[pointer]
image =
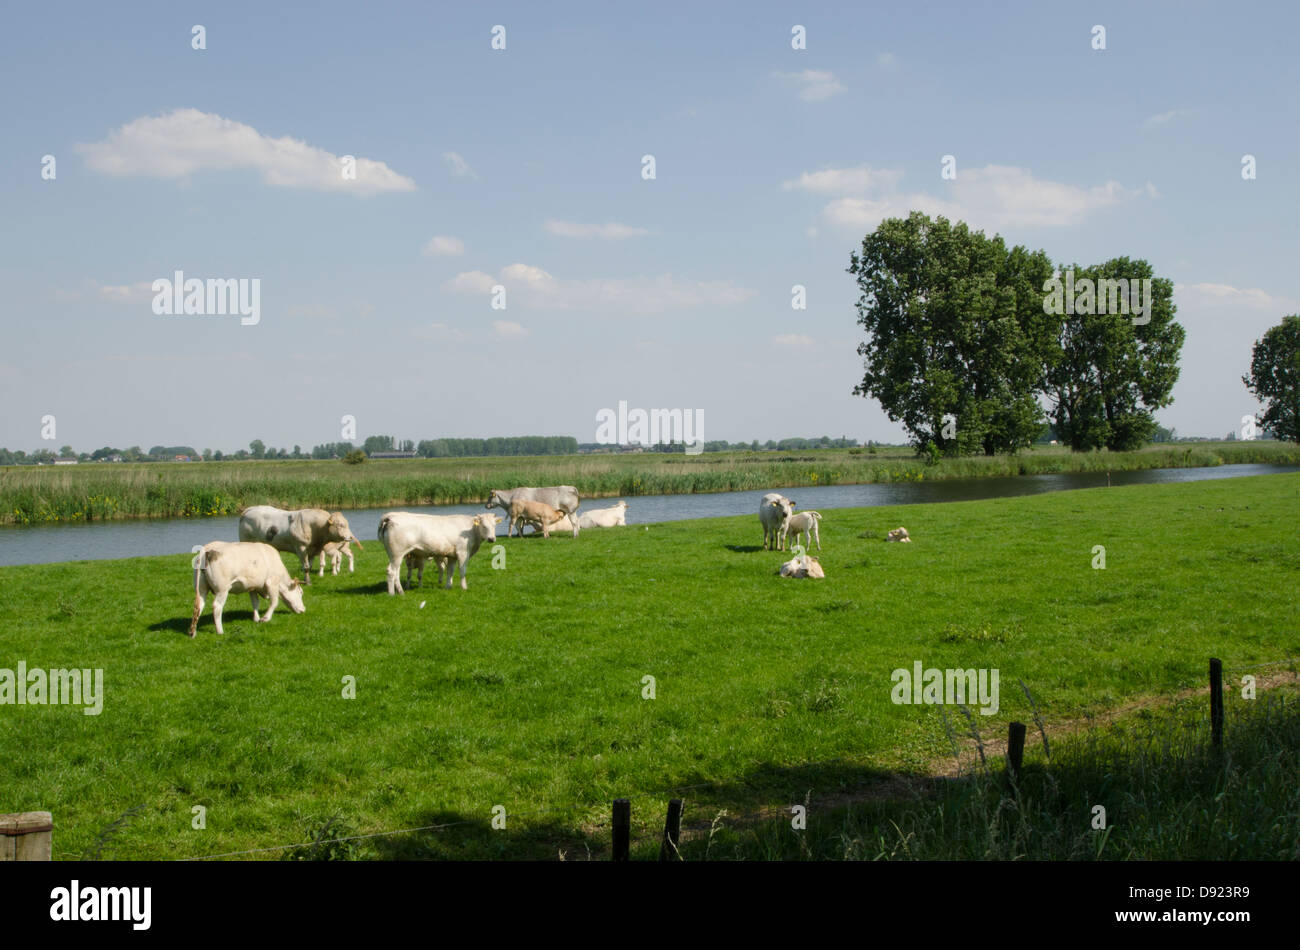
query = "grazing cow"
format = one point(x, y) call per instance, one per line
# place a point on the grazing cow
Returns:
point(563, 497)
point(774, 513)
point(803, 566)
point(334, 552)
point(303, 532)
point(416, 562)
point(898, 534)
point(436, 537)
point(611, 517)
point(538, 514)
point(805, 523)
point(228, 567)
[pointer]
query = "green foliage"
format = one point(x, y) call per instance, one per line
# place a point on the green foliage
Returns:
point(355, 457)
point(1106, 373)
point(955, 327)
point(1274, 378)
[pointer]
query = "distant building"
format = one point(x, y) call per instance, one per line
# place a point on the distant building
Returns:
point(65, 461)
point(393, 455)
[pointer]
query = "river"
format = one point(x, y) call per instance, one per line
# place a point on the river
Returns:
point(102, 540)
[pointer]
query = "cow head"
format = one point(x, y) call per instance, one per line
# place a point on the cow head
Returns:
point(497, 500)
point(292, 594)
point(485, 526)
point(337, 529)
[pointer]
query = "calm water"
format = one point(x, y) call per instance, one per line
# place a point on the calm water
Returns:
point(116, 539)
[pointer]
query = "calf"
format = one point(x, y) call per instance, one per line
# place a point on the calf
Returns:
point(334, 552)
point(536, 513)
point(433, 536)
point(805, 523)
point(415, 561)
point(774, 513)
point(803, 566)
point(898, 534)
point(228, 567)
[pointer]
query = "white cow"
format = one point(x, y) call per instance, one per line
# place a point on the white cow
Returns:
point(611, 517)
point(805, 524)
point(433, 536)
point(774, 513)
point(563, 497)
point(228, 567)
point(303, 532)
point(803, 566)
point(898, 534)
point(334, 553)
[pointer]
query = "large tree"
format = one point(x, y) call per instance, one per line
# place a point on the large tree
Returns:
point(1275, 378)
point(956, 327)
point(1109, 371)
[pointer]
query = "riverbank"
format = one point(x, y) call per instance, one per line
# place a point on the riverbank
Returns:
point(108, 491)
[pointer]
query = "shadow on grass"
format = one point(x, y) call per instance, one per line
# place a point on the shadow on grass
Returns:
point(744, 548)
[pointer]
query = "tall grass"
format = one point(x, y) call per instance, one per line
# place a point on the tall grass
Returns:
point(103, 492)
point(1167, 794)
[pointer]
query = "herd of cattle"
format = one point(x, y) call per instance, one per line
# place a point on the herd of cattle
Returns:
point(252, 564)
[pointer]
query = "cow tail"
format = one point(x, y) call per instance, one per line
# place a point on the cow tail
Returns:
point(383, 527)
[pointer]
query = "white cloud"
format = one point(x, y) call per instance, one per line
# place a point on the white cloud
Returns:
point(442, 245)
point(813, 85)
point(991, 198)
point(1225, 295)
point(441, 333)
point(508, 330)
point(459, 167)
point(844, 181)
point(185, 141)
point(797, 340)
point(127, 293)
point(533, 287)
point(612, 231)
point(1163, 117)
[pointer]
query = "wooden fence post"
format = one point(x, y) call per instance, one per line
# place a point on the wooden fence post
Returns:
point(672, 832)
point(26, 836)
point(1216, 701)
point(622, 828)
point(1015, 748)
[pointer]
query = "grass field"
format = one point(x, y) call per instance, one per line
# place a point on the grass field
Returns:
point(103, 491)
point(526, 691)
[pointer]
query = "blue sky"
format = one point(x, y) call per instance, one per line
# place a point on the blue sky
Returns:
point(523, 167)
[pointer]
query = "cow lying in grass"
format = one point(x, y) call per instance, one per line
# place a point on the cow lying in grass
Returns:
point(803, 566)
point(227, 567)
point(898, 534)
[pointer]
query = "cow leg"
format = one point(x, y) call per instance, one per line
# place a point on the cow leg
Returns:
point(252, 595)
point(322, 564)
point(395, 575)
point(816, 536)
point(274, 597)
point(352, 564)
point(218, 605)
point(305, 556)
